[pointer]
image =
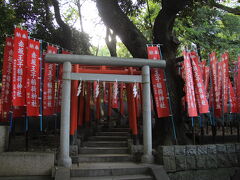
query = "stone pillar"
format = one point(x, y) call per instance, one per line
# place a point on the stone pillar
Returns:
point(147, 124)
point(64, 158)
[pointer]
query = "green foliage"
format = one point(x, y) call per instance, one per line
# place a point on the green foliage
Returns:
point(8, 19)
point(122, 51)
point(100, 51)
point(209, 29)
point(145, 19)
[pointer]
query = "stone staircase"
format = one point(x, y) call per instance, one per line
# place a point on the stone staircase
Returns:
point(105, 156)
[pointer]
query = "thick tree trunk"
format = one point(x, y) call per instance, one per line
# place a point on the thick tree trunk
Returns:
point(163, 34)
point(133, 39)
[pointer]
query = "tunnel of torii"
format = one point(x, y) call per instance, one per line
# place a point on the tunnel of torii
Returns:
point(67, 61)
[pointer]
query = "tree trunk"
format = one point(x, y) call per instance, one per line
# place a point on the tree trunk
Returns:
point(79, 5)
point(163, 34)
point(66, 38)
point(111, 42)
point(133, 39)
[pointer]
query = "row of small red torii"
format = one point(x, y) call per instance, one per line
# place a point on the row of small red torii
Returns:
point(22, 76)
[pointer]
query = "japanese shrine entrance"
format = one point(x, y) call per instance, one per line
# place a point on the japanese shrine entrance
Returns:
point(67, 60)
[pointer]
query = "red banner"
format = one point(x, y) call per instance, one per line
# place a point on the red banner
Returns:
point(206, 77)
point(19, 67)
point(6, 95)
point(190, 94)
point(159, 85)
point(238, 85)
point(19, 111)
point(49, 85)
point(220, 83)
point(216, 93)
point(115, 95)
point(232, 99)
point(225, 83)
point(198, 85)
point(33, 78)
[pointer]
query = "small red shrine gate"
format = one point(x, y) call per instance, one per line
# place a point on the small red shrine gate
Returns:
point(67, 60)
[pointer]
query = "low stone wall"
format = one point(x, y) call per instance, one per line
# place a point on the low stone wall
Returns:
point(26, 164)
point(219, 161)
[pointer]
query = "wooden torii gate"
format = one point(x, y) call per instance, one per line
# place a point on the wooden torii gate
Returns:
point(67, 60)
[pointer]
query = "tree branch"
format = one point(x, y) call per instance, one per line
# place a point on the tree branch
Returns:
point(111, 42)
point(235, 11)
point(66, 30)
point(114, 18)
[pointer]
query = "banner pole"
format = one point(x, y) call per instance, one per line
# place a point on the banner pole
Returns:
point(26, 132)
point(201, 127)
point(10, 128)
point(193, 129)
point(41, 87)
point(238, 129)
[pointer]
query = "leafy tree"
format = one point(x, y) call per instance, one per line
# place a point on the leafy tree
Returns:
point(163, 33)
point(38, 18)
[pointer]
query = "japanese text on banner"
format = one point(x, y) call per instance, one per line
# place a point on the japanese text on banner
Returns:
point(190, 94)
point(159, 85)
point(19, 67)
point(49, 85)
point(6, 95)
point(200, 92)
point(33, 78)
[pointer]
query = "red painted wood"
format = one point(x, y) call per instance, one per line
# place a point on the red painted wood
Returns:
point(74, 103)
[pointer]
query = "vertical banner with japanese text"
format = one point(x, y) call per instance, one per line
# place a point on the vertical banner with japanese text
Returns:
point(159, 85)
point(216, 93)
point(225, 83)
point(232, 99)
point(206, 76)
point(49, 85)
point(200, 92)
point(6, 95)
point(33, 78)
point(19, 67)
point(190, 94)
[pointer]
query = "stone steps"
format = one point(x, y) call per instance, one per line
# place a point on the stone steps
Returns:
point(108, 169)
point(102, 158)
point(108, 138)
point(105, 144)
point(125, 177)
point(112, 133)
point(105, 157)
point(116, 130)
point(103, 150)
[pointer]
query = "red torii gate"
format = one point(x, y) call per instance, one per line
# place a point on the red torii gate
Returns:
point(77, 112)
